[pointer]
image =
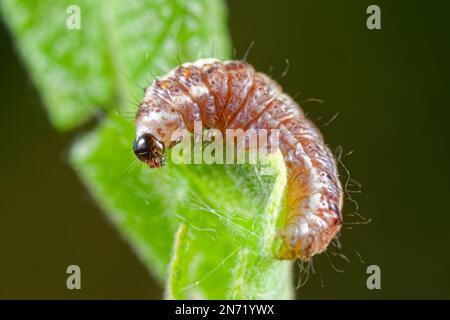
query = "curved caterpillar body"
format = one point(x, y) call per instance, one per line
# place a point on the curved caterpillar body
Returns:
point(231, 94)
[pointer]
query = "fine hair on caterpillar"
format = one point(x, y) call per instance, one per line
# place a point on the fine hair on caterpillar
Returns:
point(232, 95)
point(336, 253)
point(349, 184)
point(334, 257)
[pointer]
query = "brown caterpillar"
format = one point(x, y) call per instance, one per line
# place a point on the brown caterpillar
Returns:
point(231, 94)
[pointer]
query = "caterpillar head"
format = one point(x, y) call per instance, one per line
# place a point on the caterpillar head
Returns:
point(149, 150)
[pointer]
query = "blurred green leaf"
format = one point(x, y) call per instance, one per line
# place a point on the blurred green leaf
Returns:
point(106, 63)
point(228, 213)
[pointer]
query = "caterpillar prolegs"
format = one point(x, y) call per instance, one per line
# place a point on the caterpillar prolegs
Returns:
point(231, 94)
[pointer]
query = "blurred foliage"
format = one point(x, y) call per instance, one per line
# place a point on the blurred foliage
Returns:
point(204, 230)
point(106, 63)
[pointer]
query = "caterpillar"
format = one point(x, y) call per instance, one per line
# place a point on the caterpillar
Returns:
point(231, 94)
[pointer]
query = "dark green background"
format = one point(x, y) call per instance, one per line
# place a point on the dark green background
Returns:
point(391, 89)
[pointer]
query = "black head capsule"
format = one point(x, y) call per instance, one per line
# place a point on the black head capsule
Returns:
point(149, 150)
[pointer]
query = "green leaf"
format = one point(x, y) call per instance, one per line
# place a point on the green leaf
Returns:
point(178, 277)
point(118, 46)
point(206, 231)
point(228, 216)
